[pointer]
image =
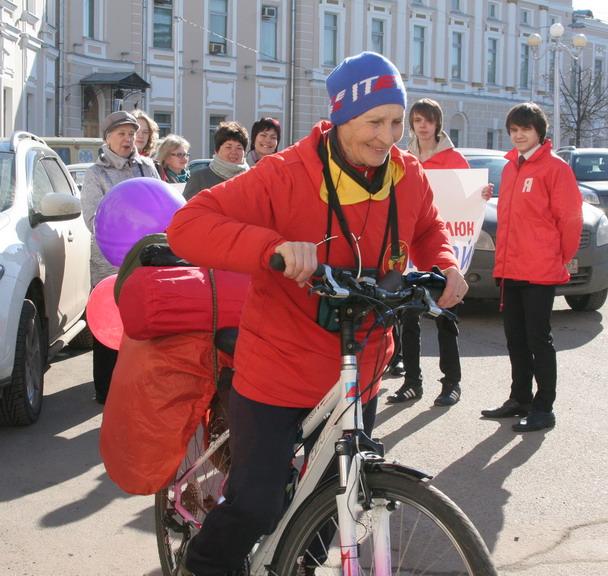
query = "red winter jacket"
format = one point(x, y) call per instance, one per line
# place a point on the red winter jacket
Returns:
point(284, 357)
point(539, 218)
point(446, 159)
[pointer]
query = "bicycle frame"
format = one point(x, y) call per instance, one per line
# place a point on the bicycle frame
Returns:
point(343, 404)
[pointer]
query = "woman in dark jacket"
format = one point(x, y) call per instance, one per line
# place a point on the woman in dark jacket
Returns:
point(230, 143)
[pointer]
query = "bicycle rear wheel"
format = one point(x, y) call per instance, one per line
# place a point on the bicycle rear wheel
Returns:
point(429, 534)
point(200, 495)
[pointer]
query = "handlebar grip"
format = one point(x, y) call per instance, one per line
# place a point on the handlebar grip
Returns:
point(277, 262)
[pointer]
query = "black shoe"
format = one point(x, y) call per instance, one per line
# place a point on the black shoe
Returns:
point(406, 393)
point(509, 408)
point(450, 394)
point(535, 420)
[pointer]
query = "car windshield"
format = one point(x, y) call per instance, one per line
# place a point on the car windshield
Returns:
point(494, 164)
point(591, 167)
point(7, 180)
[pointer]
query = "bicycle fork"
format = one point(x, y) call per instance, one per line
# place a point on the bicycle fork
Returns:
point(349, 504)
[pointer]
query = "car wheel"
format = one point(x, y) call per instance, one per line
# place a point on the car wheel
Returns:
point(21, 401)
point(587, 302)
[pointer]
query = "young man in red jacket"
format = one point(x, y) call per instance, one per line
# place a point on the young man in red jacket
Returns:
point(539, 229)
point(288, 203)
point(434, 149)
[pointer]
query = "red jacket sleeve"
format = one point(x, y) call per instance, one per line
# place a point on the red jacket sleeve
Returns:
point(228, 226)
point(566, 207)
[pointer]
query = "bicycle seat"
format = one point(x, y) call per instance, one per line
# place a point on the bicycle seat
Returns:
point(225, 339)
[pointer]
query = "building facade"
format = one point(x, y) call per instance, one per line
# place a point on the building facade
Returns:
point(65, 64)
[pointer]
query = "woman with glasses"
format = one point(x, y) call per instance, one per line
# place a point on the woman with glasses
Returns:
point(172, 158)
point(146, 138)
point(230, 142)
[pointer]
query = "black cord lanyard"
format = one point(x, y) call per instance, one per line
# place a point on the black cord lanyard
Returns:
point(334, 206)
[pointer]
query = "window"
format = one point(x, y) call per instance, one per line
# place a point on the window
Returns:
point(598, 76)
point(492, 10)
point(49, 12)
point(454, 136)
point(492, 59)
point(218, 26)
point(163, 24)
point(7, 111)
point(418, 50)
point(30, 120)
point(41, 186)
point(455, 5)
point(31, 6)
point(214, 122)
point(268, 33)
point(7, 180)
point(49, 115)
point(89, 18)
point(490, 139)
point(524, 67)
point(330, 37)
point(378, 35)
point(457, 55)
point(163, 119)
point(524, 17)
point(58, 178)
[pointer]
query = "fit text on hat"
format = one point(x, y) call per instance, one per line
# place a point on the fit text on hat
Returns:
point(361, 83)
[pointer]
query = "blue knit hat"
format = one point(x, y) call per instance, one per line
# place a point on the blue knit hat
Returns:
point(360, 83)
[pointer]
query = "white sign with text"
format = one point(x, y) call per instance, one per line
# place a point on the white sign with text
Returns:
point(458, 198)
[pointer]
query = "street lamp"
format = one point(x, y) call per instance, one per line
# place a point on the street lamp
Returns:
point(557, 46)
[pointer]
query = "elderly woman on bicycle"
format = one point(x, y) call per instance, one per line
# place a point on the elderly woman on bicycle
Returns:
point(344, 195)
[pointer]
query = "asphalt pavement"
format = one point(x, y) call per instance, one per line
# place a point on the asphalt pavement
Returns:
point(540, 499)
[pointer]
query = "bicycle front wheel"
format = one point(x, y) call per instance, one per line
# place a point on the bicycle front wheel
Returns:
point(201, 493)
point(429, 534)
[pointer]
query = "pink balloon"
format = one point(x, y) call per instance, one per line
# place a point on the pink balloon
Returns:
point(131, 210)
point(103, 316)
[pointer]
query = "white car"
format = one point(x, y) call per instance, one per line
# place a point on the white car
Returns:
point(44, 270)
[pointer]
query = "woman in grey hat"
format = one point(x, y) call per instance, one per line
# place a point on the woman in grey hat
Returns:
point(118, 160)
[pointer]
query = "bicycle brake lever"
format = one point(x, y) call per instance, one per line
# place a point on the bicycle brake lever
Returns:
point(338, 291)
point(433, 310)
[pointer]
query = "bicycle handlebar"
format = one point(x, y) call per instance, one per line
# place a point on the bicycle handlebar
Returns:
point(413, 290)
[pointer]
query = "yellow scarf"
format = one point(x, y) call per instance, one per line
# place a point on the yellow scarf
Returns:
point(349, 192)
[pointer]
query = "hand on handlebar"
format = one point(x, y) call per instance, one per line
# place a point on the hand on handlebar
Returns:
point(455, 288)
point(300, 260)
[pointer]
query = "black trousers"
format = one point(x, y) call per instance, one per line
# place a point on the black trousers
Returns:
point(104, 360)
point(262, 439)
point(449, 355)
point(527, 323)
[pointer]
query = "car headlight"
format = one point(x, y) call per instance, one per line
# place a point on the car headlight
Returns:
point(485, 242)
point(589, 196)
point(601, 237)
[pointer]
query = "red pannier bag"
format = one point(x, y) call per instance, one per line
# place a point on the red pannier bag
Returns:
point(160, 391)
point(158, 301)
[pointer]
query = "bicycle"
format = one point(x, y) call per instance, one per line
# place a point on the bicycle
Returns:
point(372, 516)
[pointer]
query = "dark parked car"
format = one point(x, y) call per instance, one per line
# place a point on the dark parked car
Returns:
point(588, 286)
point(590, 167)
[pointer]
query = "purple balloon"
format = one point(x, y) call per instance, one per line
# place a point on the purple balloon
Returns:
point(131, 210)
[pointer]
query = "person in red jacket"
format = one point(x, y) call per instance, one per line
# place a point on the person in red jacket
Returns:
point(433, 147)
point(539, 229)
point(325, 199)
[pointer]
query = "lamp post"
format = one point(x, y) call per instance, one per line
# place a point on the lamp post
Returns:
point(557, 46)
